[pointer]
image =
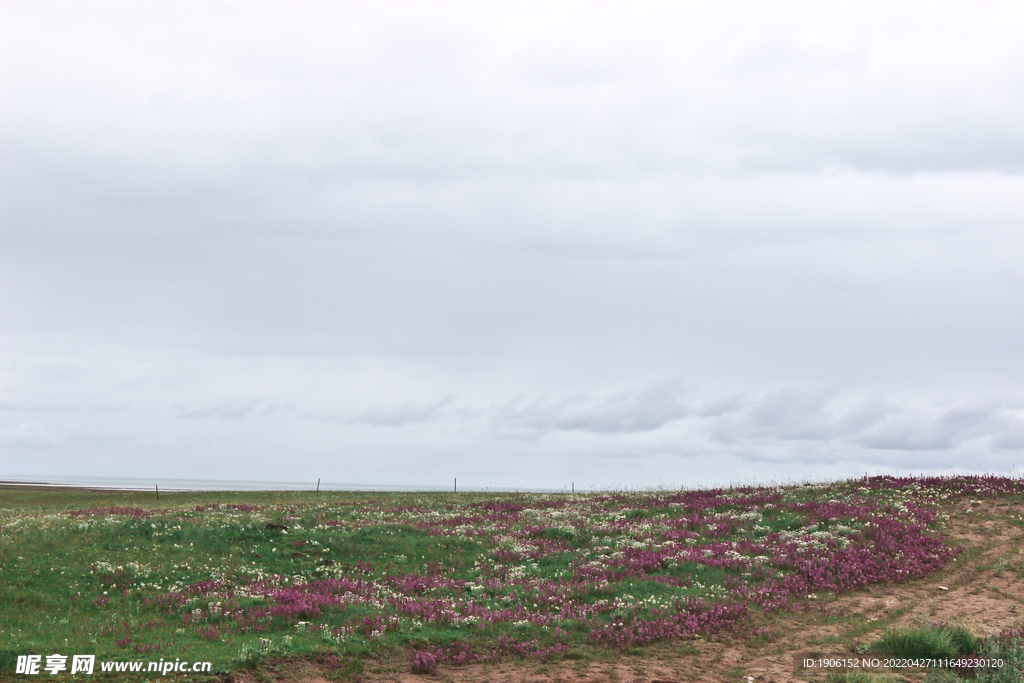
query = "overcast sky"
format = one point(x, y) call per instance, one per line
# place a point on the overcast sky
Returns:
point(522, 244)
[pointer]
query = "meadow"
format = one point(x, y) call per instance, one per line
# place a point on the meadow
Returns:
point(244, 580)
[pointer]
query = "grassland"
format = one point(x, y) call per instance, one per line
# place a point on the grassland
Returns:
point(358, 585)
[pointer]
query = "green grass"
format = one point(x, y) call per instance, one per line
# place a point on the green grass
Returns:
point(946, 642)
point(929, 640)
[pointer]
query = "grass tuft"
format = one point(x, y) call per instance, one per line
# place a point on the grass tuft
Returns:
point(929, 640)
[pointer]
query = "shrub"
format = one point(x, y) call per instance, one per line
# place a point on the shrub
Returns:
point(424, 663)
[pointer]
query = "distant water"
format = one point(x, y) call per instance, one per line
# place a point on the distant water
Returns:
point(130, 484)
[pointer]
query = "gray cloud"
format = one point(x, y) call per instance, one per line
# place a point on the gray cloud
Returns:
point(408, 413)
point(1013, 437)
point(797, 415)
point(225, 410)
point(641, 410)
point(298, 227)
point(942, 430)
point(872, 424)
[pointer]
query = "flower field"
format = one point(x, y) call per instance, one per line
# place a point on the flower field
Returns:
point(237, 578)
